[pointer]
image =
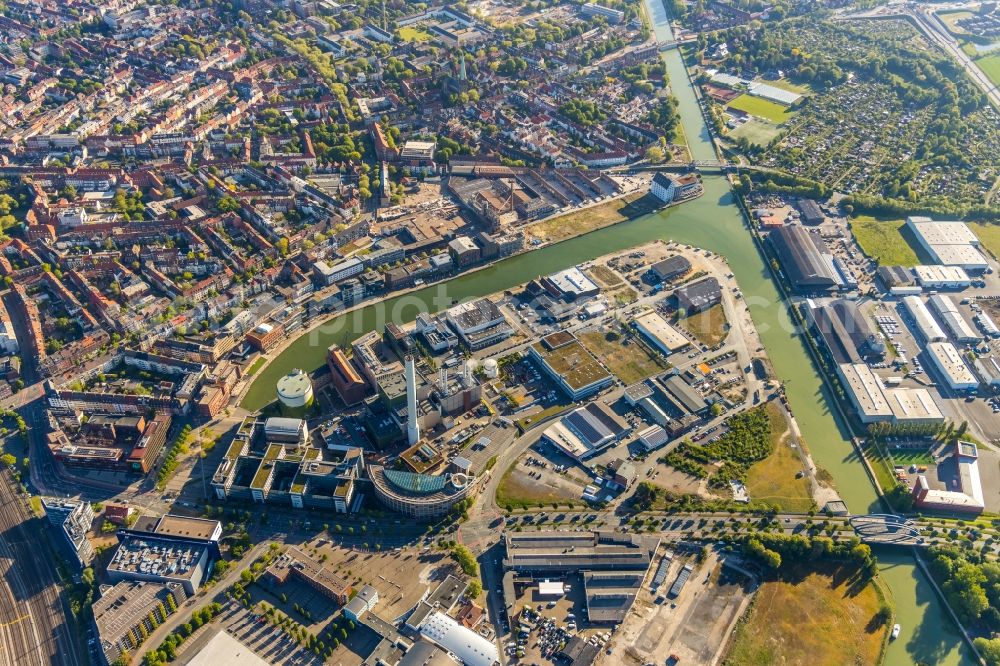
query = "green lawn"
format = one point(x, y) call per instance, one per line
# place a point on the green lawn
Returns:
point(629, 361)
point(411, 34)
point(255, 366)
point(882, 241)
point(989, 236)
point(761, 108)
point(757, 131)
point(991, 67)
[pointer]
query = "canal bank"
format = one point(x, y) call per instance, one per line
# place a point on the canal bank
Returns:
point(713, 222)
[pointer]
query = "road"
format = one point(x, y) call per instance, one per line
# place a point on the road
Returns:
point(183, 613)
point(34, 628)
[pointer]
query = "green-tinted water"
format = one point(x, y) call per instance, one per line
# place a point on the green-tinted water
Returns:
point(713, 222)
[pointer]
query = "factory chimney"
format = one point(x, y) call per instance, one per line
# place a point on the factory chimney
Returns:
point(412, 429)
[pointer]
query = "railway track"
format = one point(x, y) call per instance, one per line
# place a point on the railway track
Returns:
point(33, 623)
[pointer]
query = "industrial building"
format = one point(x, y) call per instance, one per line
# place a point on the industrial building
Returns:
point(670, 268)
point(806, 261)
point(698, 296)
point(846, 331)
point(960, 330)
point(948, 243)
point(278, 465)
point(659, 333)
point(898, 280)
point(923, 320)
point(942, 277)
point(570, 285)
point(570, 365)
point(479, 323)
point(73, 520)
point(950, 367)
point(586, 431)
point(968, 498)
point(612, 565)
point(873, 401)
point(127, 612)
point(344, 376)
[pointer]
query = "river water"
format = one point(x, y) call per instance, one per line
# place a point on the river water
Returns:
point(713, 222)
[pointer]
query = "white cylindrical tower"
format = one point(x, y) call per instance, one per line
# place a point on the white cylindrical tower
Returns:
point(412, 427)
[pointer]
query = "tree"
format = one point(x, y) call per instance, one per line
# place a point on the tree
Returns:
point(990, 649)
point(475, 588)
point(654, 154)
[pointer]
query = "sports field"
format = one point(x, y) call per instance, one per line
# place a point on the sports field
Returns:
point(762, 108)
point(757, 131)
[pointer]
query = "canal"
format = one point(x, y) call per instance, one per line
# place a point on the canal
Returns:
point(713, 222)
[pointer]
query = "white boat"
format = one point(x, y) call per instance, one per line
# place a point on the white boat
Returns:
point(895, 632)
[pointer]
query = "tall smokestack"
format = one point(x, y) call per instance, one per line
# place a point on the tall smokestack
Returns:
point(412, 429)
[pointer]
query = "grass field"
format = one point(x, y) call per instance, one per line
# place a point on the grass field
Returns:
point(820, 616)
point(596, 217)
point(762, 108)
point(989, 236)
point(991, 67)
point(906, 457)
point(757, 131)
point(709, 326)
point(629, 361)
point(411, 34)
point(772, 480)
point(882, 241)
point(255, 366)
point(605, 275)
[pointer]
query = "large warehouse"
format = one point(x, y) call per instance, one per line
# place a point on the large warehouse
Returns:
point(586, 431)
point(660, 333)
point(923, 319)
point(956, 324)
point(874, 402)
point(805, 259)
point(846, 331)
point(948, 243)
point(950, 367)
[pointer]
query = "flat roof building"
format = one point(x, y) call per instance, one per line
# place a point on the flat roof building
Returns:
point(570, 365)
point(950, 366)
point(967, 497)
point(948, 243)
point(469, 648)
point(874, 401)
point(586, 431)
point(660, 333)
point(419, 495)
point(923, 319)
point(942, 277)
point(699, 295)
point(960, 330)
point(127, 612)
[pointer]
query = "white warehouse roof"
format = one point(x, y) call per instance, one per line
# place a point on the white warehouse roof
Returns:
point(946, 359)
point(923, 319)
point(468, 646)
